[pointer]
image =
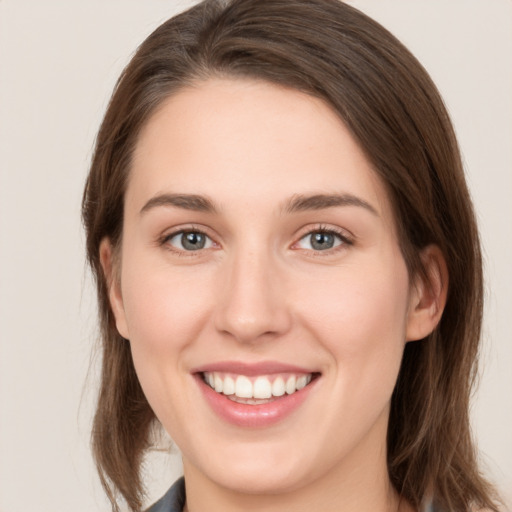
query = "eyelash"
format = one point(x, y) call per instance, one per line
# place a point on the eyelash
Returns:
point(324, 230)
point(164, 241)
point(338, 233)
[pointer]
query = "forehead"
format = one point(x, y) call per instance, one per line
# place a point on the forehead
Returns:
point(252, 139)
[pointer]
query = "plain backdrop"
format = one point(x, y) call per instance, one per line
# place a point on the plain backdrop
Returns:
point(59, 60)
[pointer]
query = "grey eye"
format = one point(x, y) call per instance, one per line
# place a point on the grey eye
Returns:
point(320, 241)
point(190, 241)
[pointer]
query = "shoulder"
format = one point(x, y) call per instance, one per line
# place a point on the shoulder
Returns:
point(173, 500)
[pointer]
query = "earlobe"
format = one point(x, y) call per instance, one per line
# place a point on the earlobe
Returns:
point(428, 295)
point(111, 273)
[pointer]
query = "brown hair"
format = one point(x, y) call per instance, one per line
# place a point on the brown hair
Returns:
point(385, 97)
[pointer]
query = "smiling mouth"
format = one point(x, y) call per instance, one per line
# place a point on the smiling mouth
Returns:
point(256, 390)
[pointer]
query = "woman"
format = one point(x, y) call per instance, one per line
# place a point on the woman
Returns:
point(288, 267)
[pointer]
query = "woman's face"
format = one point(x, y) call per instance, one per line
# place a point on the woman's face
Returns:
point(260, 256)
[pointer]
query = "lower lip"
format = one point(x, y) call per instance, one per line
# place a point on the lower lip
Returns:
point(262, 415)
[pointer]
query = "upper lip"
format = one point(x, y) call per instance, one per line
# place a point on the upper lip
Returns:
point(251, 369)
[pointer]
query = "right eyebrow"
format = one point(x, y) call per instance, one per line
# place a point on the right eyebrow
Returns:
point(185, 201)
point(300, 202)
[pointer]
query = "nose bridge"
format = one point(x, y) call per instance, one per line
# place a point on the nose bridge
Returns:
point(252, 303)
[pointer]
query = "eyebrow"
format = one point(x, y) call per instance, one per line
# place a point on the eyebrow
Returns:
point(185, 201)
point(300, 203)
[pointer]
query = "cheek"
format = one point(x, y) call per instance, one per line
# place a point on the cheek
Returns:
point(164, 309)
point(165, 313)
point(363, 298)
point(360, 317)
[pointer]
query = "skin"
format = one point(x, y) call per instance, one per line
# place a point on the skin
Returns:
point(259, 291)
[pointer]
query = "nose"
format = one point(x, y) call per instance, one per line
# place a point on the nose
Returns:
point(252, 303)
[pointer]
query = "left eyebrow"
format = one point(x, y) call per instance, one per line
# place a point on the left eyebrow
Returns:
point(299, 203)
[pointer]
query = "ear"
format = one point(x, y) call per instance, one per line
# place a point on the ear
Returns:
point(428, 295)
point(111, 271)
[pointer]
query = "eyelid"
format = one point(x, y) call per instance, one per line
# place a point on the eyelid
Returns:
point(178, 230)
point(346, 237)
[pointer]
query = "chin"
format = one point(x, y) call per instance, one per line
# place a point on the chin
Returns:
point(259, 469)
point(252, 480)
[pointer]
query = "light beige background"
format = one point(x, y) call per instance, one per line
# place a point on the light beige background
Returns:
point(58, 63)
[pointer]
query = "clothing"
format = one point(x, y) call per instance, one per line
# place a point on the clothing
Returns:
point(174, 499)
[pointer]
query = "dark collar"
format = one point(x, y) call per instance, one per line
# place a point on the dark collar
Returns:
point(173, 500)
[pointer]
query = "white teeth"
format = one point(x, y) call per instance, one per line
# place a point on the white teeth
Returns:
point(229, 386)
point(218, 383)
point(278, 387)
point(262, 388)
point(301, 382)
point(290, 385)
point(243, 387)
